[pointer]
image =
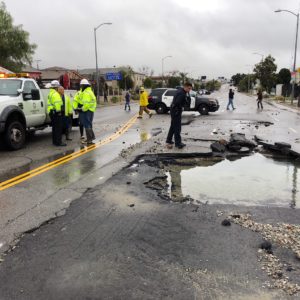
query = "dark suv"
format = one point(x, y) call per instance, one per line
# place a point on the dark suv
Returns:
point(161, 99)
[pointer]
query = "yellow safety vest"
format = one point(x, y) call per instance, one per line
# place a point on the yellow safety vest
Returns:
point(54, 101)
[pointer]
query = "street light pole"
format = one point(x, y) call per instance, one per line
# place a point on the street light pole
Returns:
point(248, 87)
point(96, 56)
point(295, 53)
point(162, 67)
point(262, 56)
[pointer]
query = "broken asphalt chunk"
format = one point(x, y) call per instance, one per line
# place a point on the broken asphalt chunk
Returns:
point(266, 245)
point(281, 145)
point(226, 222)
point(217, 147)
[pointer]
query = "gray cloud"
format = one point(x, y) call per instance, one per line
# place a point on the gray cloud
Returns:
point(204, 37)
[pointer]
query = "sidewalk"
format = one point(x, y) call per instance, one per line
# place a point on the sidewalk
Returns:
point(286, 103)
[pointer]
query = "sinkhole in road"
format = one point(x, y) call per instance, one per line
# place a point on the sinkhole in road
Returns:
point(255, 180)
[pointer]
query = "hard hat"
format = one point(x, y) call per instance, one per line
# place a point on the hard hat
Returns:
point(84, 82)
point(142, 89)
point(55, 83)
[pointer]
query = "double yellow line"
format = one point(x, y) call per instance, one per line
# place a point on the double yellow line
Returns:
point(44, 168)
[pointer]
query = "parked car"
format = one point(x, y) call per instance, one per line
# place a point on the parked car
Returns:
point(161, 99)
point(204, 92)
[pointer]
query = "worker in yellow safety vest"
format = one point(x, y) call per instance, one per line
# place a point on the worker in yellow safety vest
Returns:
point(143, 103)
point(54, 106)
point(67, 112)
point(77, 106)
point(89, 104)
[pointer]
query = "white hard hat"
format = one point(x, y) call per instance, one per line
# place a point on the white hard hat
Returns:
point(55, 83)
point(84, 82)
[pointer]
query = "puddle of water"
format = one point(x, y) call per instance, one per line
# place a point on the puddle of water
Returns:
point(249, 181)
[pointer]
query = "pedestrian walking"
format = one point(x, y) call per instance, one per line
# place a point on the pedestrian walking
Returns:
point(143, 103)
point(67, 113)
point(230, 99)
point(88, 100)
point(179, 101)
point(54, 106)
point(127, 100)
point(259, 99)
point(105, 96)
point(77, 106)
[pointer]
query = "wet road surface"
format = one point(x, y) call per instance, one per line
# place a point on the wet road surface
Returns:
point(120, 240)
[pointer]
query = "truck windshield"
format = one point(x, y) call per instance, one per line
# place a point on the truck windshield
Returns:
point(9, 87)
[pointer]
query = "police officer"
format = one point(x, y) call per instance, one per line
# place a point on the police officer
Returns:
point(177, 105)
point(88, 100)
point(54, 106)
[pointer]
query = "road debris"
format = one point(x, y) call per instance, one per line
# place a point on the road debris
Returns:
point(226, 222)
point(283, 235)
point(237, 143)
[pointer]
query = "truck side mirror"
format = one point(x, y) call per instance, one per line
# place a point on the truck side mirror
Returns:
point(35, 94)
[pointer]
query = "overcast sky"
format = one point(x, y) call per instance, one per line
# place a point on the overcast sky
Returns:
point(204, 37)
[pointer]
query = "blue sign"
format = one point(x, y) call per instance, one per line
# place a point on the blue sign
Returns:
point(113, 76)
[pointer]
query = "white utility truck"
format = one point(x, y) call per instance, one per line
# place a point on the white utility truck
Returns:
point(23, 108)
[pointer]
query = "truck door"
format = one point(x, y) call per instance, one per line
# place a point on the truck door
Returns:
point(34, 110)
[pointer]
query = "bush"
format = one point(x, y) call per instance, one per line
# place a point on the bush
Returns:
point(279, 98)
point(135, 97)
point(115, 99)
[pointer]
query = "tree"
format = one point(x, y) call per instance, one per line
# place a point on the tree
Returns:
point(246, 83)
point(146, 70)
point(157, 84)
point(212, 85)
point(183, 76)
point(126, 82)
point(237, 78)
point(265, 72)
point(284, 76)
point(148, 83)
point(15, 49)
point(173, 81)
point(196, 86)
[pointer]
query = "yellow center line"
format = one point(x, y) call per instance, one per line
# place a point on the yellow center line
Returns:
point(46, 167)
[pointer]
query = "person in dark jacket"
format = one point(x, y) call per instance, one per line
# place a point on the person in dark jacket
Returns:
point(177, 106)
point(259, 99)
point(230, 99)
point(127, 100)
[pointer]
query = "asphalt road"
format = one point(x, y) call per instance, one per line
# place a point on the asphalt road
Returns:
point(120, 239)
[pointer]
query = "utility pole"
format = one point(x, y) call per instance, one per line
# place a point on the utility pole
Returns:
point(295, 52)
point(37, 63)
point(162, 67)
point(96, 56)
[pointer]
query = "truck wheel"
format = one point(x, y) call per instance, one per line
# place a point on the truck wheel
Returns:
point(161, 108)
point(203, 109)
point(15, 135)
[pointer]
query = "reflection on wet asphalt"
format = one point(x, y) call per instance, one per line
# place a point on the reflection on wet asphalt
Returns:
point(249, 181)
